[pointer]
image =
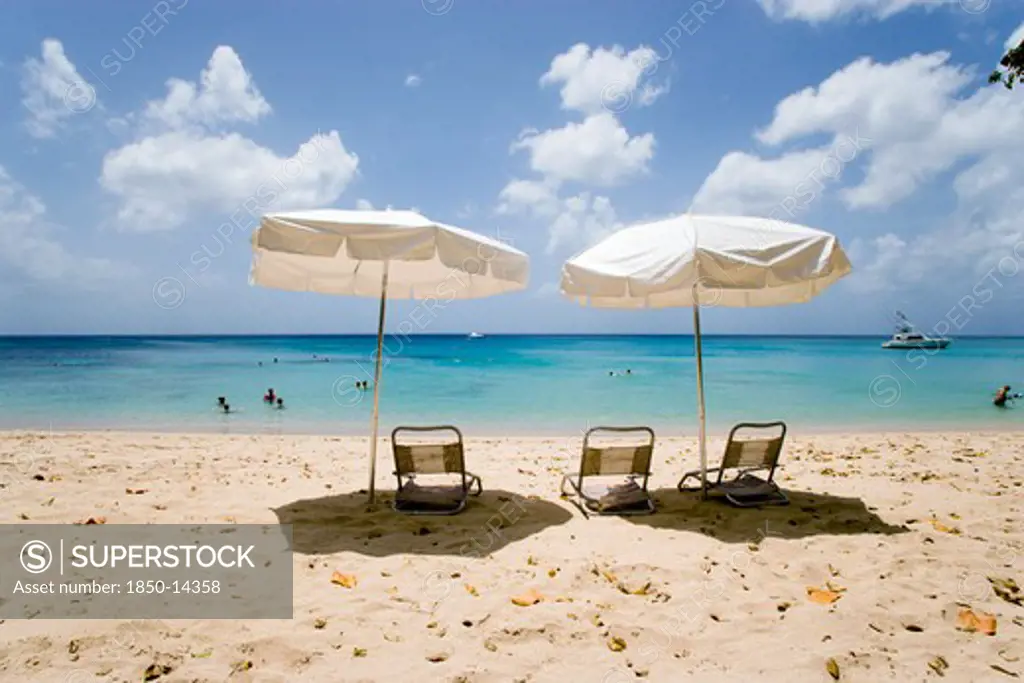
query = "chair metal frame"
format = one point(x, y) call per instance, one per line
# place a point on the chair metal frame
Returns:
point(587, 469)
point(732, 489)
point(405, 477)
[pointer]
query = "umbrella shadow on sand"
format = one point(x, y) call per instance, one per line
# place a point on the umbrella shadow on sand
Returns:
point(808, 514)
point(491, 521)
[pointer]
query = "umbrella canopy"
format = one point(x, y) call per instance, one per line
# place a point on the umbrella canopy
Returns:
point(693, 260)
point(344, 252)
point(737, 261)
point(385, 254)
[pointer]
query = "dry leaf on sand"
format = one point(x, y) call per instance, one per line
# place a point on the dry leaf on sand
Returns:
point(971, 622)
point(822, 597)
point(832, 667)
point(471, 589)
point(939, 526)
point(1007, 589)
point(344, 580)
point(939, 665)
point(528, 599)
point(93, 520)
point(616, 644)
point(155, 671)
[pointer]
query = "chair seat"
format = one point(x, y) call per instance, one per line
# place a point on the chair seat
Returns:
point(440, 497)
point(751, 490)
point(614, 496)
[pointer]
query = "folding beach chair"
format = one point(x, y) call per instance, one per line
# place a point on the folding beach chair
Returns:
point(614, 452)
point(441, 461)
point(752, 446)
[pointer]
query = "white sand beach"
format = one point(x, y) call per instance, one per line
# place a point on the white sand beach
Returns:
point(699, 591)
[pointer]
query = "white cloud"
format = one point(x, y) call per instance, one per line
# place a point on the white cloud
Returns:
point(1016, 38)
point(164, 178)
point(573, 223)
point(602, 78)
point(597, 151)
point(877, 260)
point(413, 81)
point(584, 220)
point(912, 117)
point(747, 184)
point(534, 196)
point(53, 91)
point(225, 93)
point(890, 101)
point(30, 249)
point(913, 123)
point(815, 11)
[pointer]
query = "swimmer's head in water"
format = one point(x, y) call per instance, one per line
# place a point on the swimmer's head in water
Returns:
point(280, 403)
point(221, 400)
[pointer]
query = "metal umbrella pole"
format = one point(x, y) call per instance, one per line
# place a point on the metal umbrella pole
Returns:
point(376, 379)
point(701, 434)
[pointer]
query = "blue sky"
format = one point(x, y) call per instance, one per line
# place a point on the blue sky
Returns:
point(547, 124)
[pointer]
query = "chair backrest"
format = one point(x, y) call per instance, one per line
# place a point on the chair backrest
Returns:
point(754, 446)
point(428, 456)
point(616, 457)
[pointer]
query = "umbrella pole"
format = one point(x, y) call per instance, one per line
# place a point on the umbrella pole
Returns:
point(701, 434)
point(376, 380)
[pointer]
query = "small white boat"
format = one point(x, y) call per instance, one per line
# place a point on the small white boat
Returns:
point(906, 337)
point(475, 335)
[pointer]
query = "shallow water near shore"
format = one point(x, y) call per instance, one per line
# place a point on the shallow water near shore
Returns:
point(517, 384)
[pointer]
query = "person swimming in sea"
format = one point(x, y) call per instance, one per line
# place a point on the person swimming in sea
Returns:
point(269, 396)
point(280, 403)
point(1003, 395)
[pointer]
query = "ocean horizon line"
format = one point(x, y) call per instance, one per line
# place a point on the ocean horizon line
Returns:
point(447, 335)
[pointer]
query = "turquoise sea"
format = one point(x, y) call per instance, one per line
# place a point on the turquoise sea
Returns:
point(502, 384)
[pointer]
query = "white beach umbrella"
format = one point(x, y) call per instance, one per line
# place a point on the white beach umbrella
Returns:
point(695, 260)
point(385, 254)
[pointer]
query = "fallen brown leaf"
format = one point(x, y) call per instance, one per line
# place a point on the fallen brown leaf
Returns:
point(93, 520)
point(155, 671)
point(528, 599)
point(1004, 671)
point(616, 644)
point(1007, 589)
point(832, 667)
point(240, 666)
point(344, 580)
point(939, 526)
point(981, 622)
point(822, 597)
point(939, 665)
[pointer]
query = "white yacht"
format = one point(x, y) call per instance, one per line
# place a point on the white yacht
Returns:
point(475, 335)
point(906, 337)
